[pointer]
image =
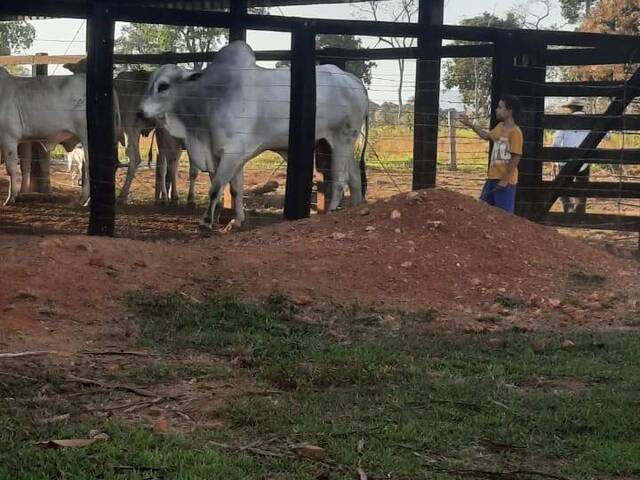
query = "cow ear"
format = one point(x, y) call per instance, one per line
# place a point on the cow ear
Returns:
point(192, 76)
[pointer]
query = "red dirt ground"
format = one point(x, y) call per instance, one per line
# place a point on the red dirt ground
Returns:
point(444, 251)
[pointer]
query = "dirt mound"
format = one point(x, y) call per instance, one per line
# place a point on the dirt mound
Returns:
point(431, 249)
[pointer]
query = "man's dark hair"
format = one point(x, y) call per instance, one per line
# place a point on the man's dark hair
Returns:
point(512, 103)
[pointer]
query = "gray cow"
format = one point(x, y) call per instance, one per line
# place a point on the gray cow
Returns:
point(234, 110)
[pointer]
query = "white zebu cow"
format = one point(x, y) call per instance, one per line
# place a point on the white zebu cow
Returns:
point(75, 162)
point(50, 110)
point(234, 110)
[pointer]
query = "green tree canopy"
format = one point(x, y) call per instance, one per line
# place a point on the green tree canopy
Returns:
point(576, 10)
point(360, 68)
point(472, 76)
point(15, 36)
point(148, 38)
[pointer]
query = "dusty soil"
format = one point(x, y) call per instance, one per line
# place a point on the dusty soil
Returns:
point(433, 250)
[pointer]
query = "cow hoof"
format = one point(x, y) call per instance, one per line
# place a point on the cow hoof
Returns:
point(231, 226)
point(205, 228)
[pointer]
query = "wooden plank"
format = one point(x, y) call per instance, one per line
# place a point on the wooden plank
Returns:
point(427, 96)
point(39, 59)
point(102, 160)
point(40, 157)
point(598, 132)
point(629, 156)
point(597, 189)
point(237, 31)
point(625, 223)
point(302, 124)
point(592, 56)
point(528, 66)
point(591, 122)
point(588, 89)
point(40, 8)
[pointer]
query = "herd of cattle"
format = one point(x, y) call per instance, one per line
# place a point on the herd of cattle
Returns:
point(223, 115)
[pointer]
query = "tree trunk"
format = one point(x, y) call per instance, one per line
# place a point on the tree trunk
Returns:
point(401, 65)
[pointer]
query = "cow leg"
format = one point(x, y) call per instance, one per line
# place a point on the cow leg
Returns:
point(172, 172)
point(161, 178)
point(340, 172)
point(355, 182)
point(237, 193)
point(227, 169)
point(133, 152)
point(86, 190)
point(24, 154)
point(11, 160)
point(193, 176)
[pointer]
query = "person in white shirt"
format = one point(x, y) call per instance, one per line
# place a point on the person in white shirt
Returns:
point(573, 139)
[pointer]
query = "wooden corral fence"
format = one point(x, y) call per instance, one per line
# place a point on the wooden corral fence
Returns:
point(520, 59)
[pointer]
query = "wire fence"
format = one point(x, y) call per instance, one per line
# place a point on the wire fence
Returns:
point(390, 148)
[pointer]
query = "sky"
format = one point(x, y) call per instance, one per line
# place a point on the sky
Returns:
point(67, 37)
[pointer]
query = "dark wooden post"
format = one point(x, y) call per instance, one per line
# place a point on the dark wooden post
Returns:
point(237, 30)
point(518, 70)
point(40, 158)
point(530, 76)
point(427, 97)
point(302, 123)
point(102, 160)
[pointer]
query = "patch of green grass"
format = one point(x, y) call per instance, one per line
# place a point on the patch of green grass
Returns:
point(425, 405)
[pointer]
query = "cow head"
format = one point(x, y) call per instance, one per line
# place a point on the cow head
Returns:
point(163, 90)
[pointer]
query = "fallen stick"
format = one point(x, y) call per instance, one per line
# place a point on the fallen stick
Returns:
point(262, 188)
point(257, 451)
point(117, 386)
point(117, 352)
point(27, 354)
point(21, 377)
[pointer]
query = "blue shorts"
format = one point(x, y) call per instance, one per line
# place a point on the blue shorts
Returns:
point(504, 198)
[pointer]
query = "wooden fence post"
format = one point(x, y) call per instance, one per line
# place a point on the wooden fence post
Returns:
point(302, 123)
point(40, 158)
point(427, 96)
point(453, 119)
point(100, 120)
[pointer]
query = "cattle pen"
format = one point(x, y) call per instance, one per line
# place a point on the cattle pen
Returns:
point(521, 60)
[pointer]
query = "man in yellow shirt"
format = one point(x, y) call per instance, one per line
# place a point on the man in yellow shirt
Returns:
point(500, 188)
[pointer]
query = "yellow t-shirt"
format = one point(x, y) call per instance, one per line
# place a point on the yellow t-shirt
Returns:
point(505, 143)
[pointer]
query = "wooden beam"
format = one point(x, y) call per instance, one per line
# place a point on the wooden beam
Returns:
point(598, 132)
point(598, 189)
point(625, 223)
point(591, 122)
point(40, 156)
point(588, 89)
point(39, 59)
point(592, 56)
point(611, 156)
point(237, 31)
point(100, 125)
point(61, 8)
point(302, 124)
point(427, 96)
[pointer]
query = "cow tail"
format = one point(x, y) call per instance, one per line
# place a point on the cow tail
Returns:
point(150, 154)
point(363, 167)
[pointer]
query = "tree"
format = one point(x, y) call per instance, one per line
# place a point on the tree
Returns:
point(359, 68)
point(472, 76)
point(576, 10)
point(16, 35)
point(148, 38)
point(397, 11)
